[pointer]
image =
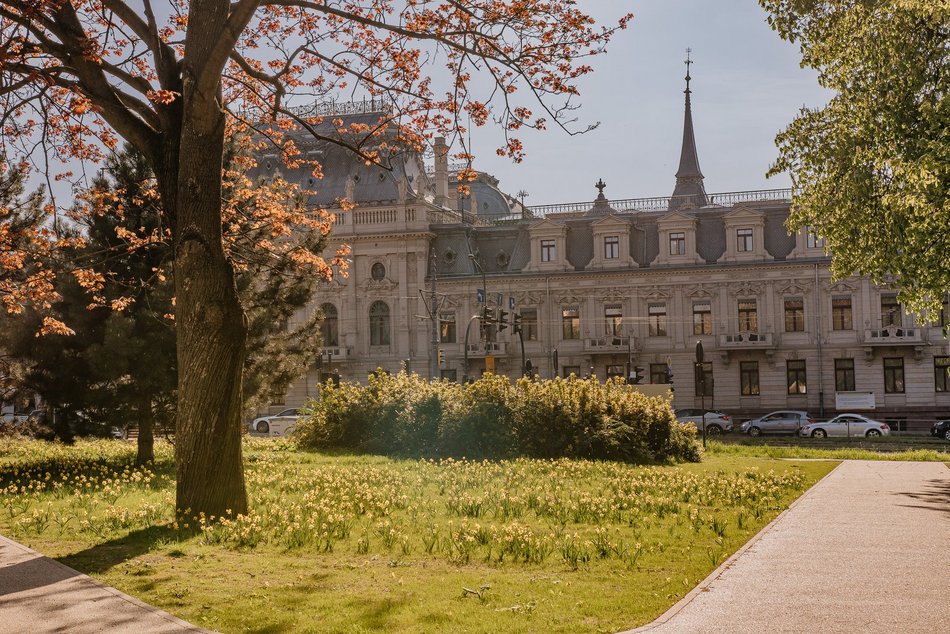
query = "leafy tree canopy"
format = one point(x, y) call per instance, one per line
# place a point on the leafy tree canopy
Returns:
point(871, 169)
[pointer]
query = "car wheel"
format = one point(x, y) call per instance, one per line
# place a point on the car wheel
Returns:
point(946, 434)
point(713, 430)
point(262, 427)
point(819, 433)
point(755, 431)
point(873, 433)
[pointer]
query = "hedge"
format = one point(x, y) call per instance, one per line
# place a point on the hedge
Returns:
point(493, 418)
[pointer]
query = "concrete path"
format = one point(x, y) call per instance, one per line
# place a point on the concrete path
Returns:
point(867, 549)
point(39, 595)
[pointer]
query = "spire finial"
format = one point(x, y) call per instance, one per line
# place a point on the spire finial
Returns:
point(600, 184)
point(688, 62)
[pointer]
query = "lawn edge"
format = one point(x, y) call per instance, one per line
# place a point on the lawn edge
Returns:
point(90, 580)
point(703, 585)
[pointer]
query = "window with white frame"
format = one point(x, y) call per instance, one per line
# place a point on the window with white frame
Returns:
point(611, 247)
point(744, 240)
point(812, 240)
point(677, 243)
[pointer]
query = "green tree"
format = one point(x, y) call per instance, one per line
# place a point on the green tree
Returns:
point(871, 169)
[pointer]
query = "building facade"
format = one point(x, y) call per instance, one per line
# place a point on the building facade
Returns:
point(605, 287)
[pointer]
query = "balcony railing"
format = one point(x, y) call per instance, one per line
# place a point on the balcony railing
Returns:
point(335, 352)
point(610, 343)
point(894, 336)
point(745, 339)
point(482, 349)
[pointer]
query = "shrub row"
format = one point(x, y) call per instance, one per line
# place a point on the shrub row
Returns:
point(493, 418)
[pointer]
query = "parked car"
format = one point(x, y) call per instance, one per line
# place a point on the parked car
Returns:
point(716, 422)
point(782, 422)
point(263, 424)
point(846, 425)
point(941, 429)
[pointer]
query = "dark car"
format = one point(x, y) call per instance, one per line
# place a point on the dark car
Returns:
point(941, 429)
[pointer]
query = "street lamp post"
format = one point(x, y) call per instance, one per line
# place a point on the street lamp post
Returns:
point(701, 384)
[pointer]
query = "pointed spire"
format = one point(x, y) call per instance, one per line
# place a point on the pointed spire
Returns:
point(689, 191)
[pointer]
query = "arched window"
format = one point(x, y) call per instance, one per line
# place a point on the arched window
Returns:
point(379, 324)
point(329, 329)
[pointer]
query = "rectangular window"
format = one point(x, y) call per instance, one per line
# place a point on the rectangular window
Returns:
point(795, 375)
point(944, 315)
point(529, 324)
point(611, 247)
point(894, 375)
point(658, 373)
point(704, 379)
point(942, 374)
point(890, 312)
point(571, 369)
point(844, 375)
point(748, 316)
point(841, 313)
point(794, 314)
point(657, 314)
point(450, 375)
point(616, 370)
point(749, 378)
point(447, 327)
point(702, 319)
point(613, 318)
point(743, 240)
point(677, 243)
point(814, 242)
point(571, 323)
point(548, 251)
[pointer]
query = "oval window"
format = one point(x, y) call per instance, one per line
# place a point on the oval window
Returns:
point(378, 271)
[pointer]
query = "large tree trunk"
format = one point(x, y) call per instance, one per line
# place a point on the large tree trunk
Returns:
point(146, 439)
point(209, 319)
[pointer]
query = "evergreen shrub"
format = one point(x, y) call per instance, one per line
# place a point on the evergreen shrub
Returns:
point(493, 418)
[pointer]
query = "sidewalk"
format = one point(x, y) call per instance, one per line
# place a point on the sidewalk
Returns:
point(39, 595)
point(867, 549)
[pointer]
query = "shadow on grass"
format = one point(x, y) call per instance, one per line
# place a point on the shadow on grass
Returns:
point(102, 557)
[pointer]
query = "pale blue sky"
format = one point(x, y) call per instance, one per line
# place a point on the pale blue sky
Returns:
point(747, 86)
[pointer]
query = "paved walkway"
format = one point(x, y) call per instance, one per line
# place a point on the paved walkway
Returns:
point(867, 549)
point(39, 595)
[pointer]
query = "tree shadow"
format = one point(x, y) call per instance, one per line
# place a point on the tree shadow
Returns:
point(102, 557)
point(934, 496)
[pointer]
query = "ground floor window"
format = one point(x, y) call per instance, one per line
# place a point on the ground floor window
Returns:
point(942, 374)
point(658, 373)
point(795, 374)
point(571, 369)
point(894, 375)
point(749, 378)
point(615, 370)
point(451, 375)
point(844, 375)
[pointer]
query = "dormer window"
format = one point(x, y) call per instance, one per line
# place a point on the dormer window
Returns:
point(611, 247)
point(677, 243)
point(744, 240)
point(812, 239)
point(548, 251)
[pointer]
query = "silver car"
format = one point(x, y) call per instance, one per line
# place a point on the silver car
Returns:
point(781, 422)
point(716, 422)
point(846, 426)
point(263, 424)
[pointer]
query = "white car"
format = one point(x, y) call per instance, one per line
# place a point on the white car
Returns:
point(716, 422)
point(279, 424)
point(846, 426)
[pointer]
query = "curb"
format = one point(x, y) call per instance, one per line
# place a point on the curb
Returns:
point(703, 585)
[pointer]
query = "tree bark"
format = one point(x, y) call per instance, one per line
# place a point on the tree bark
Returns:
point(146, 439)
point(210, 321)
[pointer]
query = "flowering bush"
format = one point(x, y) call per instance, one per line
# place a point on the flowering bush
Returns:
point(493, 418)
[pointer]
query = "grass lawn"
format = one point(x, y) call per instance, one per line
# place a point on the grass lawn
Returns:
point(368, 544)
point(833, 448)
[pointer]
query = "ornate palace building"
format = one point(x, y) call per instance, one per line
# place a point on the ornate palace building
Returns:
point(609, 286)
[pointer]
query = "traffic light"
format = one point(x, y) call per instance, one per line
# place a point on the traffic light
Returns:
point(636, 376)
point(669, 375)
point(516, 323)
point(439, 355)
point(502, 319)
